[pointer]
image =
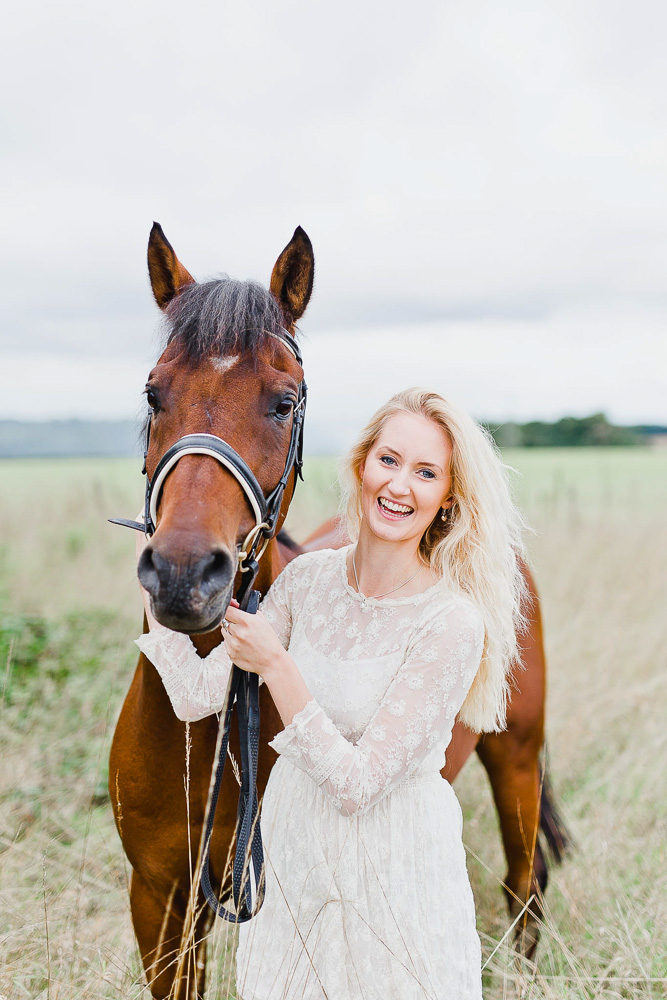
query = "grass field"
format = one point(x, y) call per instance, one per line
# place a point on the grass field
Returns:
point(69, 609)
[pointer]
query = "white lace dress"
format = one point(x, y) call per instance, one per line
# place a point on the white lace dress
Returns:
point(367, 894)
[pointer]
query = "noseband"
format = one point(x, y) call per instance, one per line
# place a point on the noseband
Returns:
point(266, 509)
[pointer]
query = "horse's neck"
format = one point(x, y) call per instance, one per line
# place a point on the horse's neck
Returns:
point(208, 641)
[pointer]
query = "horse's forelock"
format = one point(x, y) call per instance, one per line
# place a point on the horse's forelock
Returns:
point(220, 316)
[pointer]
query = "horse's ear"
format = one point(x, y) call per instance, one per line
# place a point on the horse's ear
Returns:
point(292, 278)
point(167, 274)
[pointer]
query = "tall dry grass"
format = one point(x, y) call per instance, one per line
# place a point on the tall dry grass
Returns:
point(68, 612)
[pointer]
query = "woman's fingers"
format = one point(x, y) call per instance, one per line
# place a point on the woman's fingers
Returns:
point(239, 653)
point(235, 616)
point(251, 642)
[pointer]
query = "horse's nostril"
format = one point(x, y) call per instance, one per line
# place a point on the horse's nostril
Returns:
point(215, 571)
point(147, 570)
point(181, 589)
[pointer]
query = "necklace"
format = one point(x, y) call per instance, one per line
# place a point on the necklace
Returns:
point(365, 606)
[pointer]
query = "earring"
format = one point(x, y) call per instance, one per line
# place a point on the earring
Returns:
point(443, 515)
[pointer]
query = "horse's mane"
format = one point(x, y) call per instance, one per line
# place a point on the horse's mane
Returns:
point(222, 316)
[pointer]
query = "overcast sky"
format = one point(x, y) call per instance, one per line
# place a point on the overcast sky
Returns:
point(483, 183)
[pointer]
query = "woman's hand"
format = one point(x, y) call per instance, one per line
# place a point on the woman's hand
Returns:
point(251, 642)
point(254, 646)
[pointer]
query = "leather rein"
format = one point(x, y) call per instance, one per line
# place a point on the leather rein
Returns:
point(243, 691)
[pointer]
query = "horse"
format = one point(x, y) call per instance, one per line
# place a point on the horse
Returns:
point(227, 370)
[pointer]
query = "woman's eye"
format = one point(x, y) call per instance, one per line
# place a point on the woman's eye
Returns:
point(428, 473)
point(387, 459)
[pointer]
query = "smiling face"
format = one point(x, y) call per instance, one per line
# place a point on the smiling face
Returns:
point(406, 477)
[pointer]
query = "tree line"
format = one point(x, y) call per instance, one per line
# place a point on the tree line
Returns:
point(572, 432)
point(121, 437)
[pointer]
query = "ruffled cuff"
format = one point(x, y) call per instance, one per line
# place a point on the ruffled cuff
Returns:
point(171, 653)
point(196, 687)
point(285, 737)
point(303, 744)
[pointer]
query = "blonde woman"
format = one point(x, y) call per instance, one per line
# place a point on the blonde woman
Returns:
point(370, 652)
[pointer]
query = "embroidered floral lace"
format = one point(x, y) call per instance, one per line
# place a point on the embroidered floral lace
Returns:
point(387, 682)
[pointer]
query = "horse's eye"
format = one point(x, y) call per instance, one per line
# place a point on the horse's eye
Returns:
point(151, 398)
point(284, 408)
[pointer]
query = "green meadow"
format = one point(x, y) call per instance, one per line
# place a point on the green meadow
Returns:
point(69, 609)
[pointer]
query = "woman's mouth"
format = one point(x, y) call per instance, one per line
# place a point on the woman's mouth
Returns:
point(393, 510)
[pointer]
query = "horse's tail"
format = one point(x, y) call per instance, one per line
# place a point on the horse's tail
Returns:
point(552, 824)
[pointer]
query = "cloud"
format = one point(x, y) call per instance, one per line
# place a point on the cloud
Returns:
point(496, 167)
point(51, 386)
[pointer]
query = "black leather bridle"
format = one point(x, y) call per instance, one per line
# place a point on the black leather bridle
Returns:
point(248, 868)
point(265, 508)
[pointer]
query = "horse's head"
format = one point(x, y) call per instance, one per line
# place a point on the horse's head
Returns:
point(227, 370)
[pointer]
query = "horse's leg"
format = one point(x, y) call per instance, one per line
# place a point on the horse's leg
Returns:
point(159, 924)
point(513, 768)
point(512, 762)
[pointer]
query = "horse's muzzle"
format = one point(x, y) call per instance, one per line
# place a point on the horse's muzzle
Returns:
point(189, 596)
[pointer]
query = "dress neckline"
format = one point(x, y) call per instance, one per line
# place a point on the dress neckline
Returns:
point(384, 601)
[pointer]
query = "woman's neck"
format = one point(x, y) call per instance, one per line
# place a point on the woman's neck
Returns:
point(383, 565)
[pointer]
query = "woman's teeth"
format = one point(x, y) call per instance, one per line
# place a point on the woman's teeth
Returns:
point(400, 509)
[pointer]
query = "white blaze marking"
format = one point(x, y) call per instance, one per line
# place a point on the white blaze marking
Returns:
point(224, 364)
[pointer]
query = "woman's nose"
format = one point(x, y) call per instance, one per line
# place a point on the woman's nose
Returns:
point(399, 484)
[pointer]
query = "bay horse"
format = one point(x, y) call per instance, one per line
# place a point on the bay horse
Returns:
point(226, 371)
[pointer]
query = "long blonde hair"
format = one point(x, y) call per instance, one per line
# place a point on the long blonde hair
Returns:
point(476, 550)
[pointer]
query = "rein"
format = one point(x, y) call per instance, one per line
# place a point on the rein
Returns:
point(243, 691)
point(248, 867)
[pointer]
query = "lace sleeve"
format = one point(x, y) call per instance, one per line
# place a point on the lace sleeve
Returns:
point(415, 717)
point(277, 604)
point(197, 685)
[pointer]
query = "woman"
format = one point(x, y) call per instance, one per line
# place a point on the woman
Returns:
point(370, 652)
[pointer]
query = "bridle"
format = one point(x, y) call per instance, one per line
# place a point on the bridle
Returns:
point(266, 509)
point(244, 686)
